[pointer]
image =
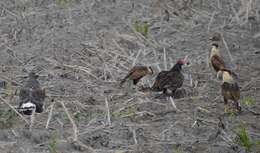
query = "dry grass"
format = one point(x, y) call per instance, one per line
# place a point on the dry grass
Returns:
point(83, 49)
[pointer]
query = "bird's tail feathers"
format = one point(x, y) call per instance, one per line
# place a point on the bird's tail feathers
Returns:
point(122, 82)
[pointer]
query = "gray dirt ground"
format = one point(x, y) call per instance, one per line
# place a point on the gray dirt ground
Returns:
point(83, 48)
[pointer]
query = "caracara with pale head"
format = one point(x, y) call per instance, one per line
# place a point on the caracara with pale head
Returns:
point(215, 59)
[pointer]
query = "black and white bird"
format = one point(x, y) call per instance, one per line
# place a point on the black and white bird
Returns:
point(31, 96)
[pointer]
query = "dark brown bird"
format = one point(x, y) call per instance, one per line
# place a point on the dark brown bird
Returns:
point(215, 59)
point(170, 80)
point(136, 73)
point(31, 96)
point(230, 89)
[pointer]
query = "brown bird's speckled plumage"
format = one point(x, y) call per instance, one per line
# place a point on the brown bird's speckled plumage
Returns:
point(31, 93)
point(136, 73)
point(215, 59)
point(230, 89)
point(169, 80)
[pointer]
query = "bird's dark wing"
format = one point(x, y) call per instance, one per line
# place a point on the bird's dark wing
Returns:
point(24, 96)
point(217, 63)
point(174, 80)
point(226, 90)
point(135, 73)
point(38, 96)
point(230, 91)
point(160, 78)
point(32, 83)
point(235, 92)
point(138, 73)
point(168, 80)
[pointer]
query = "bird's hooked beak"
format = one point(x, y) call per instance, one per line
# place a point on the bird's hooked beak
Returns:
point(150, 70)
point(186, 61)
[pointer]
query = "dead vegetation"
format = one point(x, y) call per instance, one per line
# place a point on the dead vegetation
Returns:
point(82, 49)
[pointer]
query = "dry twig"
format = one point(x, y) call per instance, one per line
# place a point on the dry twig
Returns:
point(75, 129)
point(32, 118)
point(211, 21)
point(50, 116)
point(164, 59)
point(108, 112)
point(227, 48)
point(173, 103)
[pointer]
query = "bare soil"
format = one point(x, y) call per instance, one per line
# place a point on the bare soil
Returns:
point(83, 48)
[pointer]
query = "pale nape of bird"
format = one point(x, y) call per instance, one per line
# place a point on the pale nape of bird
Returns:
point(170, 80)
point(31, 96)
point(137, 73)
point(215, 58)
point(230, 90)
point(232, 73)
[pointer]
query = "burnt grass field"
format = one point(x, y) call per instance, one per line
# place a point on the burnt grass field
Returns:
point(83, 48)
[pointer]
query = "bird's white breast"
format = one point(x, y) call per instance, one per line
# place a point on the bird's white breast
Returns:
point(28, 105)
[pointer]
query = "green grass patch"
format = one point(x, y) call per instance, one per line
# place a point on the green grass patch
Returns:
point(176, 151)
point(130, 112)
point(257, 143)
point(142, 28)
point(83, 115)
point(230, 112)
point(248, 101)
point(242, 138)
point(53, 143)
point(64, 3)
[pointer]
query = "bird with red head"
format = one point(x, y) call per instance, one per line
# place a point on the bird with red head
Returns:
point(170, 80)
